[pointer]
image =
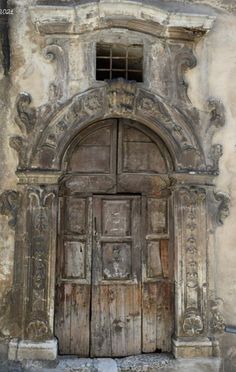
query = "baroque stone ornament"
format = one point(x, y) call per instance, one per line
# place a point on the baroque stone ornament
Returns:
point(121, 95)
point(57, 123)
point(9, 205)
point(223, 207)
point(191, 219)
point(26, 115)
point(40, 219)
point(55, 53)
point(192, 324)
point(217, 113)
point(37, 330)
point(217, 321)
point(215, 155)
point(184, 59)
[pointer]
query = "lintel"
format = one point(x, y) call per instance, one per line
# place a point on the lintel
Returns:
point(81, 18)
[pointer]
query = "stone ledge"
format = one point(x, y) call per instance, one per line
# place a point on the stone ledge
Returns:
point(183, 348)
point(23, 349)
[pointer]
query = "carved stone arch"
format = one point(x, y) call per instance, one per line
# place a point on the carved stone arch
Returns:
point(115, 99)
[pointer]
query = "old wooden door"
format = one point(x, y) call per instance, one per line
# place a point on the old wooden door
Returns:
point(116, 279)
point(114, 287)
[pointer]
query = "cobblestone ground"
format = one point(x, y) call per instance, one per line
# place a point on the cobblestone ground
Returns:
point(140, 363)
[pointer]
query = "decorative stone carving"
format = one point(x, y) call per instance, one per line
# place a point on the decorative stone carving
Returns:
point(215, 155)
point(154, 108)
point(217, 321)
point(54, 52)
point(92, 104)
point(26, 115)
point(192, 324)
point(37, 330)
point(191, 222)
point(9, 205)
point(19, 144)
point(171, 120)
point(223, 207)
point(39, 222)
point(121, 95)
point(57, 123)
point(184, 59)
point(217, 113)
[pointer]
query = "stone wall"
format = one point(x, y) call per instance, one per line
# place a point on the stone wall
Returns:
point(214, 76)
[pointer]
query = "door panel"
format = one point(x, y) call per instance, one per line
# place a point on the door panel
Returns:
point(116, 290)
point(157, 295)
point(72, 314)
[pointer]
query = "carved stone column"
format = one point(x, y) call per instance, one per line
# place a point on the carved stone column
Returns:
point(35, 254)
point(191, 273)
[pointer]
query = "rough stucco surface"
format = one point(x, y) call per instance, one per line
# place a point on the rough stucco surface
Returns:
point(214, 75)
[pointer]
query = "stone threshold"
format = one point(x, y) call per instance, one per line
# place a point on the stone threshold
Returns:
point(138, 363)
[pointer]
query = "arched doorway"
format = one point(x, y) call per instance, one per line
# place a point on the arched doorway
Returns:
point(114, 281)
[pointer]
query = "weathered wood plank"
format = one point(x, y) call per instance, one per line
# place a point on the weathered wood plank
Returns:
point(164, 253)
point(79, 322)
point(101, 342)
point(157, 316)
point(63, 318)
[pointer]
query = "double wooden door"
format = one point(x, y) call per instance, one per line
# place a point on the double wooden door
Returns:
point(114, 289)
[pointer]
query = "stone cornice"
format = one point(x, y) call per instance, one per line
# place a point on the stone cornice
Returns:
point(50, 19)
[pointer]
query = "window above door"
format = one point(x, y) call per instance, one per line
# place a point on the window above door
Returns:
point(119, 61)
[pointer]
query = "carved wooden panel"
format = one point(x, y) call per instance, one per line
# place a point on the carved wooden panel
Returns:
point(139, 152)
point(157, 216)
point(116, 261)
point(75, 259)
point(75, 212)
point(116, 217)
point(93, 154)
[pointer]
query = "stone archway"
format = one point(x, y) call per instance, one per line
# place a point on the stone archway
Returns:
point(40, 168)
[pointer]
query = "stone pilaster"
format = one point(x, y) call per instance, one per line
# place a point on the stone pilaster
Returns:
point(191, 273)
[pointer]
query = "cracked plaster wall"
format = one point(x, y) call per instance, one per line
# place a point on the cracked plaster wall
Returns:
point(214, 76)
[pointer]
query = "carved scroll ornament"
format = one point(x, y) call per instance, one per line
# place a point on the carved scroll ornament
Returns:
point(223, 207)
point(26, 115)
point(9, 205)
point(54, 52)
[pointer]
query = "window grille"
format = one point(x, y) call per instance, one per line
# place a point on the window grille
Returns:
point(119, 61)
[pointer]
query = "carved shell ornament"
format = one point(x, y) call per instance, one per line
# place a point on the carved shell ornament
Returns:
point(192, 324)
point(37, 329)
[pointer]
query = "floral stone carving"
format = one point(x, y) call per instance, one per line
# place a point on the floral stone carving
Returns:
point(192, 324)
